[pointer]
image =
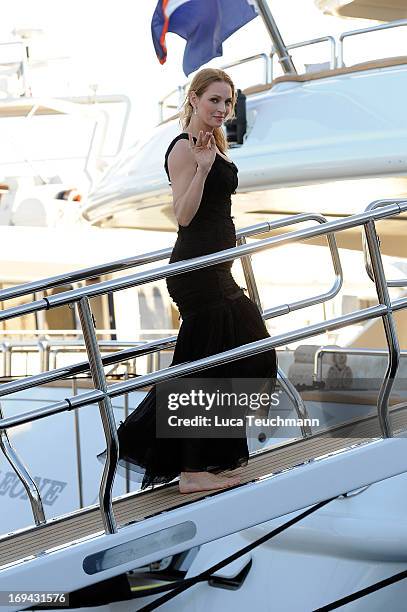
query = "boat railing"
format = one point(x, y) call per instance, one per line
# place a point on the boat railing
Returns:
point(48, 344)
point(70, 373)
point(401, 282)
point(153, 349)
point(127, 359)
point(336, 350)
point(153, 355)
point(120, 355)
point(307, 43)
point(103, 393)
point(49, 350)
point(336, 59)
point(180, 90)
point(267, 66)
point(310, 301)
point(90, 108)
point(153, 361)
point(21, 61)
point(145, 258)
point(345, 35)
point(23, 474)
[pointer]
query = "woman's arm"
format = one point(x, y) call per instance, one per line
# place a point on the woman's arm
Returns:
point(188, 166)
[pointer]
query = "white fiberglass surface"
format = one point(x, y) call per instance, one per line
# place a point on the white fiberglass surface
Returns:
point(283, 422)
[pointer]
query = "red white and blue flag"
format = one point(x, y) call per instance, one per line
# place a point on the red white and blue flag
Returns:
point(204, 24)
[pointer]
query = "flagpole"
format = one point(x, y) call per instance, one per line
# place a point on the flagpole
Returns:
point(277, 40)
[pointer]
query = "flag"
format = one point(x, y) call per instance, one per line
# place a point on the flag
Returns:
point(204, 24)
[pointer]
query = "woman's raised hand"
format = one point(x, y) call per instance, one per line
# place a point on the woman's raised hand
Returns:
point(204, 150)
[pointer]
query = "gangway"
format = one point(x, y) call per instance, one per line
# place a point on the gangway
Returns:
point(98, 542)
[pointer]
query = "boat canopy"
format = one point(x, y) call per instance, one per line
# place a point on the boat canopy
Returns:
point(379, 10)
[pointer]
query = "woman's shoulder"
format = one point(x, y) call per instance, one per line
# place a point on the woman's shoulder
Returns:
point(183, 149)
point(182, 136)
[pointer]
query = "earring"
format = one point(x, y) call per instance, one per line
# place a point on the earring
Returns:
point(195, 110)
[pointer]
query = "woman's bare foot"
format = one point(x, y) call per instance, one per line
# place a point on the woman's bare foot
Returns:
point(194, 482)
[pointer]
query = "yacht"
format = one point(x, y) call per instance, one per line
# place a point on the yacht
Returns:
point(318, 521)
point(329, 139)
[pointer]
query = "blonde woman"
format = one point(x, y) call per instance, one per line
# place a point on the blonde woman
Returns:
point(216, 314)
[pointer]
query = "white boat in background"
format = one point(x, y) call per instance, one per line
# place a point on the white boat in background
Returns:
point(318, 147)
point(53, 149)
point(326, 140)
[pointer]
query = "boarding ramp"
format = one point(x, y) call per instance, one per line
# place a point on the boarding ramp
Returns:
point(115, 536)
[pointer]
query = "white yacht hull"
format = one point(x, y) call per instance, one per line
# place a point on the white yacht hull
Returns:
point(353, 540)
point(345, 127)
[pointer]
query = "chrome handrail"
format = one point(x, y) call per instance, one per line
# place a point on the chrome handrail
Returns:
point(82, 274)
point(150, 349)
point(383, 26)
point(402, 282)
point(246, 263)
point(79, 368)
point(384, 309)
point(78, 347)
point(181, 93)
point(313, 41)
point(255, 297)
point(333, 350)
point(249, 275)
point(195, 263)
point(8, 349)
point(181, 89)
point(137, 260)
point(5, 348)
point(79, 470)
point(74, 333)
point(252, 58)
point(22, 62)
point(336, 60)
point(389, 324)
point(316, 41)
point(106, 415)
point(322, 297)
point(45, 348)
point(252, 348)
point(298, 402)
point(23, 474)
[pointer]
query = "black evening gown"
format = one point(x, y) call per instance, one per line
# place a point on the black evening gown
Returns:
point(216, 316)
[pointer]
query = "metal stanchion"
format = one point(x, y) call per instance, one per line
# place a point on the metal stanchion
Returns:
point(78, 444)
point(106, 413)
point(24, 476)
point(389, 329)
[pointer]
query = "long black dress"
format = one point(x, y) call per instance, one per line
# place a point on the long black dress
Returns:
point(216, 316)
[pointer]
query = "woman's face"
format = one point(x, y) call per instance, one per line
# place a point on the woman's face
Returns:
point(215, 104)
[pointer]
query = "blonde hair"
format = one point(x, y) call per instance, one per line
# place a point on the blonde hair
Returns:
point(199, 85)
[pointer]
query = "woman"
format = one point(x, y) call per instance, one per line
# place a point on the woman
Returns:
point(216, 314)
